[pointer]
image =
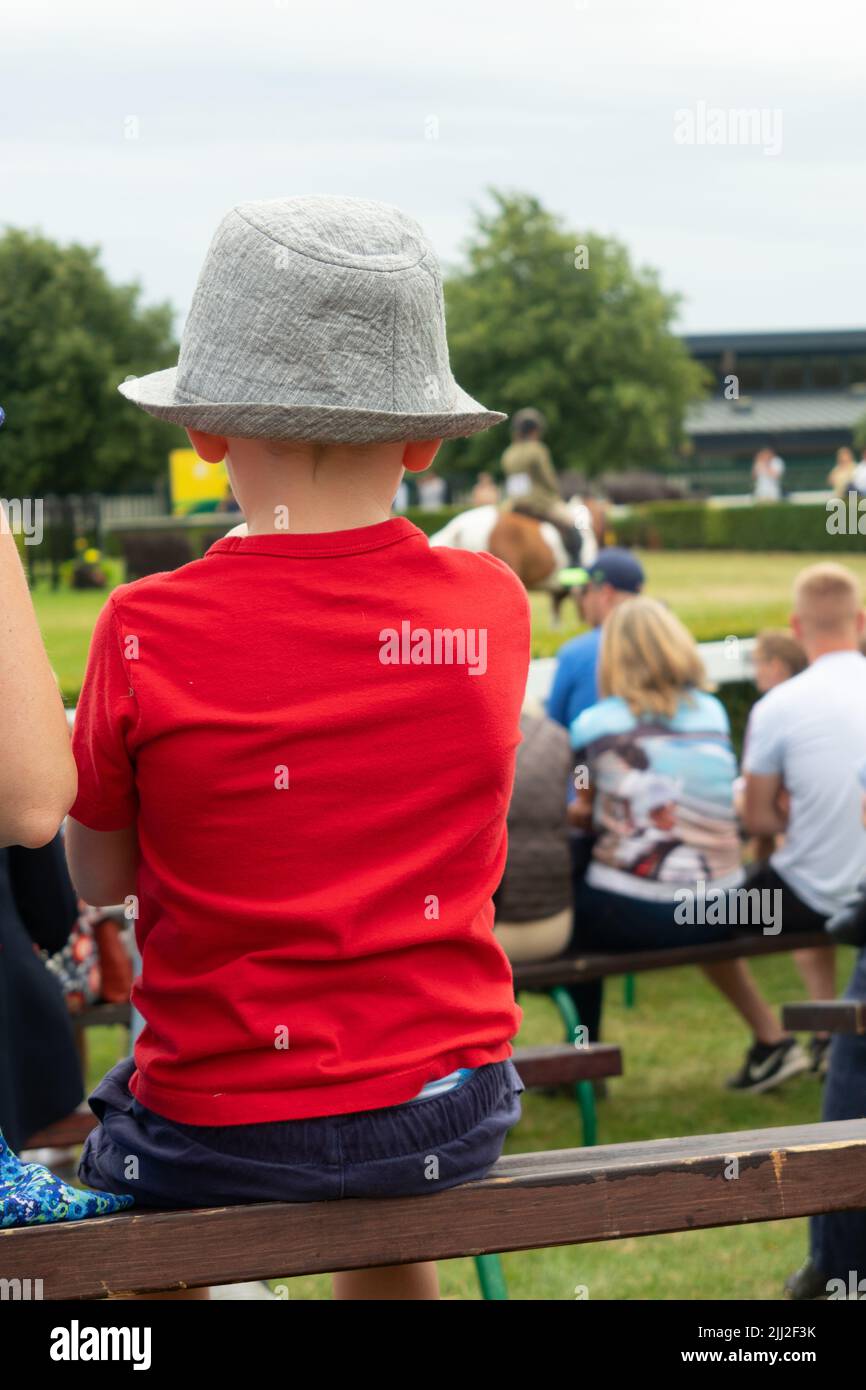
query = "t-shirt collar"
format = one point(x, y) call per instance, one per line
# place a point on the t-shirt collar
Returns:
point(827, 656)
point(319, 543)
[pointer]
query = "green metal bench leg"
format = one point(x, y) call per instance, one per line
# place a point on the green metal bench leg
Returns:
point(491, 1277)
point(629, 991)
point(583, 1091)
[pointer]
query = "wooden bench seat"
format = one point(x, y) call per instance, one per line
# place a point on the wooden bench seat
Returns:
point(826, 1016)
point(102, 1016)
point(572, 970)
point(64, 1134)
point(563, 1064)
point(528, 1201)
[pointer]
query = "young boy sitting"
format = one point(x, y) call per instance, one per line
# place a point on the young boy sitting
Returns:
point(295, 756)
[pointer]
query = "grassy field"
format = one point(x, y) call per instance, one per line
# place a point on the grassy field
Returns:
point(679, 1043)
point(716, 595)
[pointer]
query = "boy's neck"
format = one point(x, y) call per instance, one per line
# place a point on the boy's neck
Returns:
point(304, 491)
point(308, 516)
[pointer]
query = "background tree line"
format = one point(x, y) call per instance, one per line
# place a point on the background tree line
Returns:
point(538, 314)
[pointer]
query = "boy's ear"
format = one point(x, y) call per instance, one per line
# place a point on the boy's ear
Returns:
point(210, 447)
point(419, 454)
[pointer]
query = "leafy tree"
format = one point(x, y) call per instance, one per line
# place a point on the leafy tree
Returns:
point(68, 336)
point(561, 320)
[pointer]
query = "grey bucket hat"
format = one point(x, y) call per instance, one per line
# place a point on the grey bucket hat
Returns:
point(316, 318)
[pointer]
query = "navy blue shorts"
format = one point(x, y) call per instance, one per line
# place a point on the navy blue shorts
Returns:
point(421, 1147)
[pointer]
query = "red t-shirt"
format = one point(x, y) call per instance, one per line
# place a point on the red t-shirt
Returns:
point(320, 797)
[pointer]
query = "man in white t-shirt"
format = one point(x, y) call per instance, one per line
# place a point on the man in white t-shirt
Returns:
point(804, 743)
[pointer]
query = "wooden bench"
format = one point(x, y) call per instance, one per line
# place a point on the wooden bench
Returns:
point(527, 1202)
point(547, 1065)
point(826, 1016)
point(552, 976)
point(577, 969)
point(102, 1016)
point(67, 1133)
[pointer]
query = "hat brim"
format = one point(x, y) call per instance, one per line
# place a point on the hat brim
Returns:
point(157, 394)
point(573, 578)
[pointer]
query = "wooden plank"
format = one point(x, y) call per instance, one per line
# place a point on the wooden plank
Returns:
point(71, 1130)
point(566, 970)
point(102, 1016)
point(528, 1201)
point(825, 1016)
point(563, 1064)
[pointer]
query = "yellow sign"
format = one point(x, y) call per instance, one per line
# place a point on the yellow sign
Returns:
point(196, 486)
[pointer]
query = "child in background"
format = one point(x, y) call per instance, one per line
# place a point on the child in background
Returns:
point(297, 754)
point(777, 656)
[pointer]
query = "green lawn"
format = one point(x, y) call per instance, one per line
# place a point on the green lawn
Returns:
point(66, 617)
point(679, 1043)
point(717, 594)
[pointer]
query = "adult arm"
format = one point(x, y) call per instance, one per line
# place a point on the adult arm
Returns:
point(765, 801)
point(579, 811)
point(37, 772)
point(763, 804)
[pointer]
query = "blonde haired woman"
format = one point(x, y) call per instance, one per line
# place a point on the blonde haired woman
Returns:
point(656, 770)
point(841, 477)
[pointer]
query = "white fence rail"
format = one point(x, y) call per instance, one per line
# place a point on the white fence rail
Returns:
point(725, 662)
point(114, 511)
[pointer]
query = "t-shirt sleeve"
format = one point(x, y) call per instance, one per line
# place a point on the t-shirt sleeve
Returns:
point(106, 713)
point(719, 715)
point(764, 743)
point(580, 732)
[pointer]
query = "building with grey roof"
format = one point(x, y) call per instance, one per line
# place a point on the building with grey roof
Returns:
point(801, 392)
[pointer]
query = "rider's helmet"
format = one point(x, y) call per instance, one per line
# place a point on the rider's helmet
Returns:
point(525, 421)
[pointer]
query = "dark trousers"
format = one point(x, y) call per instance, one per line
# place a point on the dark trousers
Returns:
point(796, 916)
point(612, 922)
point(588, 997)
point(839, 1239)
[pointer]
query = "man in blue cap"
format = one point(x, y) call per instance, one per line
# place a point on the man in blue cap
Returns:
point(615, 575)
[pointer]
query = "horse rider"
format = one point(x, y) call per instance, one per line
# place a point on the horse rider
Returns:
point(531, 485)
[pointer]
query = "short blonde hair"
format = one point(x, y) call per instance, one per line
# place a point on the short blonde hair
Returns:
point(826, 598)
point(648, 658)
point(779, 643)
point(318, 449)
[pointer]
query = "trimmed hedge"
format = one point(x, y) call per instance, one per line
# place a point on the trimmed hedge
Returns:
point(737, 698)
point(765, 526)
point(431, 522)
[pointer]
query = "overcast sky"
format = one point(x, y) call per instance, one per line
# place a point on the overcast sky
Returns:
point(137, 125)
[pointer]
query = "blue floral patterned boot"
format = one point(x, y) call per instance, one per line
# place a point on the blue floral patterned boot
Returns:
point(31, 1195)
